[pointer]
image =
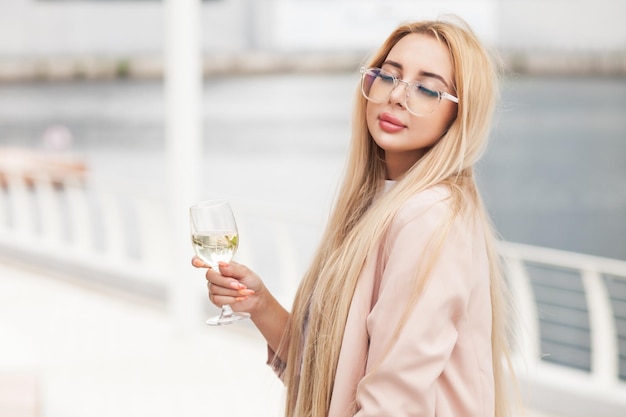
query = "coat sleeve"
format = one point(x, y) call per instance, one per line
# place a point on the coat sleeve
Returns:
point(402, 369)
point(275, 363)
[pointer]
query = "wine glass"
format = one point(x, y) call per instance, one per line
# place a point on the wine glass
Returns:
point(215, 239)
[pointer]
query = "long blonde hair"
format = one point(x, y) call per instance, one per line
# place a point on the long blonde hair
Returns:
point(358, 223)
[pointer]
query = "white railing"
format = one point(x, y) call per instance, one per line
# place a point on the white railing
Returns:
point(113, 233)
point(554, 387)
point(103, 231)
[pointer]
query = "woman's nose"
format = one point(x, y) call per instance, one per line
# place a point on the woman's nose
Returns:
point(398, 94)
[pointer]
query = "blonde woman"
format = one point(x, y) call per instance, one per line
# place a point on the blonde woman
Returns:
point(401, 312)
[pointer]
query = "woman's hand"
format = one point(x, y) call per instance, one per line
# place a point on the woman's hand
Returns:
point(234, 284)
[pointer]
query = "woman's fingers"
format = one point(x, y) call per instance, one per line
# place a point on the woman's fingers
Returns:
point(198, 263)
point(220, 295)
point(229, 283)
point(216, 278)
point(225, 290)
point(242, 274)
point(220, 300)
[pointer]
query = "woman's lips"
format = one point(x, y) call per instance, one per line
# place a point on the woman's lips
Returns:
point(389, 123)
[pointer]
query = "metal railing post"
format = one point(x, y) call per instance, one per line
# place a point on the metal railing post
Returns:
point(604, 349)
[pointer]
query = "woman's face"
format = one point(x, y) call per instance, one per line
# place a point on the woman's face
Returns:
point(403, 136)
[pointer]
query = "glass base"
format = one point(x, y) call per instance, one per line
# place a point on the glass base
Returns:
point(227, 316)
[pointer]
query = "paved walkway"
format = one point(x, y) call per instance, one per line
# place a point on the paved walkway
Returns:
point(70, 351)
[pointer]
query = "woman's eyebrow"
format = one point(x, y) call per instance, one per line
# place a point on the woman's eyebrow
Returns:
point(393, 64)
point(421, 73)
point(436, 76)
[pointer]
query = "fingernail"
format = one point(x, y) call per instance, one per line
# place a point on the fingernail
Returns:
point(241, 298)
point(246, 292)
point(237, 286)
point(222, 264)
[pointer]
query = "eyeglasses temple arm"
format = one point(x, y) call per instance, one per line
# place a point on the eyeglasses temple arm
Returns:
point(449, 97)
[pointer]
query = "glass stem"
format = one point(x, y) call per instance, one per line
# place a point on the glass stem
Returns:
point(226, 311)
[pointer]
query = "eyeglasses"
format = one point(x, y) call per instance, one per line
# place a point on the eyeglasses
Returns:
point(421, 99)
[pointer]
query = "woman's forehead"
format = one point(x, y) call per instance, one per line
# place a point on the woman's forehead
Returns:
point(416, 53)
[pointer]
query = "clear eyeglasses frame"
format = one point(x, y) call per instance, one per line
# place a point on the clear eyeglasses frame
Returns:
point(420, 99)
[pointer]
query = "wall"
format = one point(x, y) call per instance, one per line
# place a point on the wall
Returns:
point(568, 25)
point(32, 27)
point(69, 38)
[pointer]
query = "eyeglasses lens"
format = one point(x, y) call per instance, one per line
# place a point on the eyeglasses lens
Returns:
point(377, 87)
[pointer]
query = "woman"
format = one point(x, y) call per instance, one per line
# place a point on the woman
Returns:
point(402, 311)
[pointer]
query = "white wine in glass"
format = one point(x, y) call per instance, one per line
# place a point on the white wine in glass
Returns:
point(215, 239)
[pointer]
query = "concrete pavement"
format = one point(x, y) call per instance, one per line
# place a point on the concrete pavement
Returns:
point(69, 351)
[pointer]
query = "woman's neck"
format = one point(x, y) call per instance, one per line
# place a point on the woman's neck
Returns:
point(398, 163)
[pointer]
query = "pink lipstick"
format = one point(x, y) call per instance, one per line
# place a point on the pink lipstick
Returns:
point(389, 123)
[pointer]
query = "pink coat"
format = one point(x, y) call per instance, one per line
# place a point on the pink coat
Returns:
point(440, 364)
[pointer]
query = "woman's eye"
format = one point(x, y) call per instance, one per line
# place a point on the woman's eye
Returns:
point(425, 91)
point(387, 78)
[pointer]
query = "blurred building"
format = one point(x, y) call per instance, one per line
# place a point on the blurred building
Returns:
point(95, 38)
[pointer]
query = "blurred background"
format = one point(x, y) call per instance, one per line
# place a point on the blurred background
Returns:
point(117, 115)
